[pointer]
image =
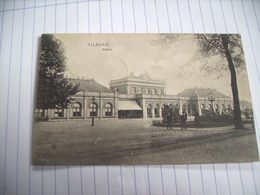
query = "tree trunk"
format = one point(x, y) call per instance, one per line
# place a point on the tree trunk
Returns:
point(236, 103)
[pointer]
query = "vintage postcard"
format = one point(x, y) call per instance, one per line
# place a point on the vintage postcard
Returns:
point(110, 99)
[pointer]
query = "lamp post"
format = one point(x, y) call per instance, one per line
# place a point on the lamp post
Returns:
point(211, 99)
point(93, 104)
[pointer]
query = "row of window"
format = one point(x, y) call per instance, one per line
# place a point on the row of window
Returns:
point(210, 106)
point(156, 109)
point(190, 108)
point(163, 106)
point(77, 111)
point(156, 112)
point(147, 91)
point(93, 110)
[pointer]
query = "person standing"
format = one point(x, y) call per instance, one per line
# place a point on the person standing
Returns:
point(184, 120)
point(169, 120)
point(196, 119)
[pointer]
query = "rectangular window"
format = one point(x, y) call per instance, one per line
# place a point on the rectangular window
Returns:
point(133, 90)
point(153, 91)
point(59, 113)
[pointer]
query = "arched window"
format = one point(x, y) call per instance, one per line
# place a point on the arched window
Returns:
point(223, 109)
point(189, 109)
point(165, 109)
point(183, 108)
point(156, 111)
point(93, 109)
point(149, 111)
point(229, 107)
point(176, 108)
point(108, 109)
point(202, 108)
point(76, 108)
point(171, 108)
point(216, 108)
point(193, 109)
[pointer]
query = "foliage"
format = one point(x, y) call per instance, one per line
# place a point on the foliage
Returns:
point(220, 53)
point(213, 52)
point(216, 118)
point(54, 90)
point(229, 48)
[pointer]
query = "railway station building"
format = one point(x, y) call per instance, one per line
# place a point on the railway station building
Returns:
point(138, 97)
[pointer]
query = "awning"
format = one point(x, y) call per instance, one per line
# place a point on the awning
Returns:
point(128, 105)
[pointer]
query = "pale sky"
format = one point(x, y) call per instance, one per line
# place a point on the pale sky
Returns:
point(138, 53)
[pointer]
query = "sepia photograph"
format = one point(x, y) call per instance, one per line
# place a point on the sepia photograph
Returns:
point(144, 99)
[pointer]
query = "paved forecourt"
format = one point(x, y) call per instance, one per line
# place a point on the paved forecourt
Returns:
point(136, 141)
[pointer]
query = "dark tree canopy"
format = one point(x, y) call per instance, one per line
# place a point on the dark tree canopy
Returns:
point(54, 90)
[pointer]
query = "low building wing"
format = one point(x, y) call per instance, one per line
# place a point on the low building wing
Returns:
point(90, 85)
point(201, 92)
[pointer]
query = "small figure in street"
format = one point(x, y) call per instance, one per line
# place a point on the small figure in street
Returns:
point(183, 120)
point(196, 119)
point(169, 120)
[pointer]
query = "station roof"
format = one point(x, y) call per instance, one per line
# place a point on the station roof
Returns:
point(141, 79)
point(90, 85)
point(201, 92)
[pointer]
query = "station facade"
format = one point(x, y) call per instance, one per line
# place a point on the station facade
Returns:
point(138, 97)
